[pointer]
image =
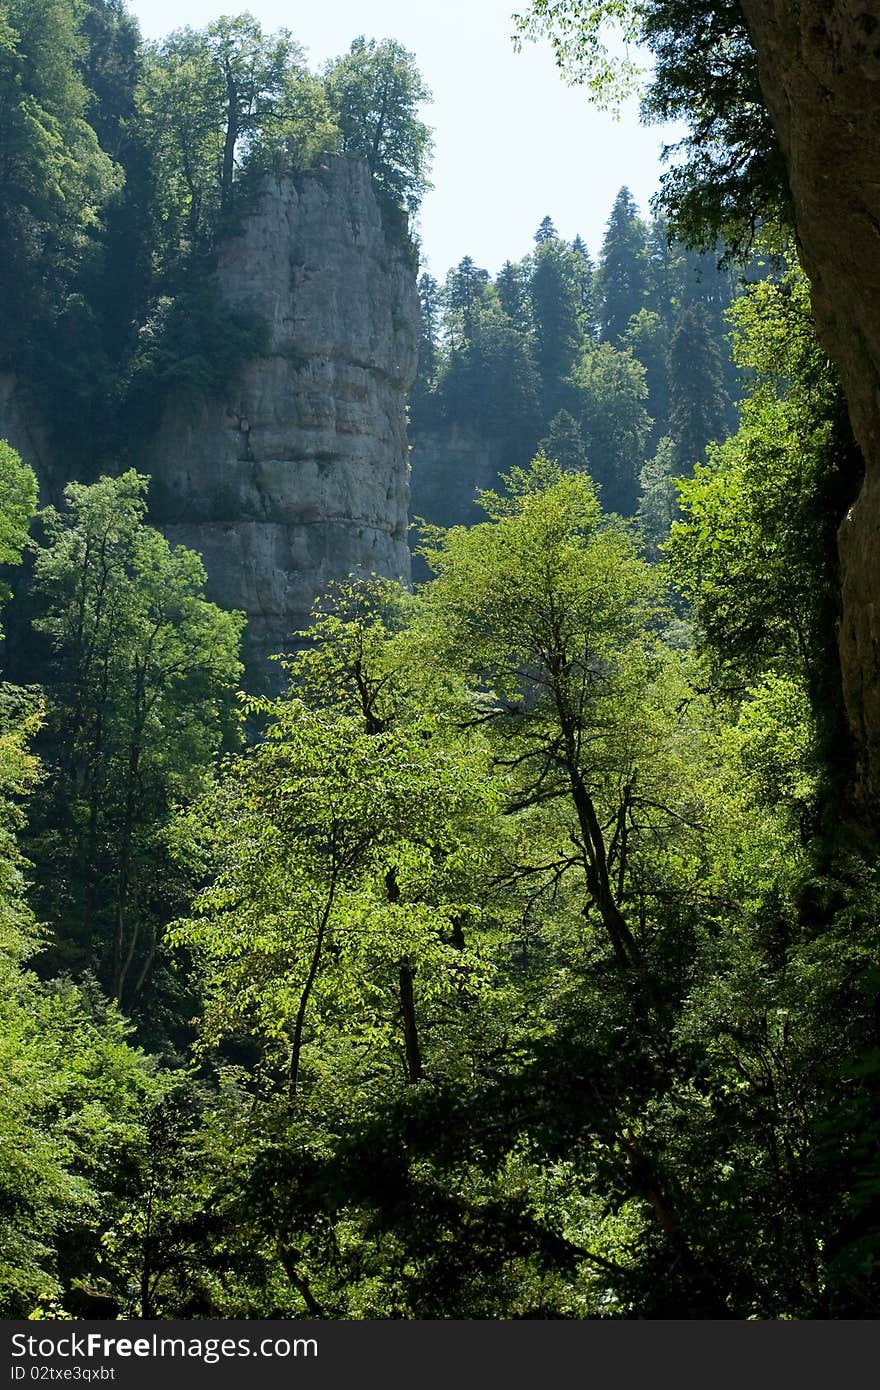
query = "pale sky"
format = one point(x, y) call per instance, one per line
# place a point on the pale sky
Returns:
point(512, 141)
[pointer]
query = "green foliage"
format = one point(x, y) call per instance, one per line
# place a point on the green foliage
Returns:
point(18, 501)
point(220, 101)
point(52, 169)
point(755, 549)
point(375, 92)
point(535, 974)
point(612, 393)
point(555, 295)
point(142, 675)
point(546, 609)
point(696, 395)
point(344, 853)
point(490, 381)
point(731, 179)
point(565, 443)
point(617, 351)
point(192, 344)
point(72, 1088)
point(579, 34)
point(122, 166)
point(623, 267)
point(658, 500)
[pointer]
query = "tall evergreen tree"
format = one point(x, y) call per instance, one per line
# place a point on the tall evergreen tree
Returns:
point(586, 276)
point(464, 288)
point(565, 444)
point(546, 231)
point(512, 286)
point(647, 337)
point(555, 295)
point(696, 387)
point(429, 326)
point(623, 268)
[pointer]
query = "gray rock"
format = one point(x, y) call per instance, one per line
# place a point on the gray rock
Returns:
point(300, 474)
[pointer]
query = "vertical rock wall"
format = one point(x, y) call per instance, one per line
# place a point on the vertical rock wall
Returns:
point(819, 63)
point(448, 466)
point(299, 475)
point(22, 427)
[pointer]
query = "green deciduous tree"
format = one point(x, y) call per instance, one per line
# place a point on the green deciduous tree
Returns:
point(755, 549)
point(73, 1089)
point(219, 100)
point(142, 677)
point(343, 853)
point(52, 168)
point(18, 501)
point(546, 608)
point(375, 92)
point(658, 500)
point(611, 406)
point(705, 71)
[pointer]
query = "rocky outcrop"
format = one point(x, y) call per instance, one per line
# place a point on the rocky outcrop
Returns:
point(22, 427)
point(819, 64)
point(299, 475)
point(448, 465)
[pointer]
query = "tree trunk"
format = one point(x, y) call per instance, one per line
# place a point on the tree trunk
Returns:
point(819, 66)
point(410, 1028)
point(406, 995)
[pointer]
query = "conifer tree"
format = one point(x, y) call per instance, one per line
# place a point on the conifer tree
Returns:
point(511, 284)
point(696, 387)
point(586, 276)
point(546, 232)
point(623, 268)
point(555, 295)
point(565, 443)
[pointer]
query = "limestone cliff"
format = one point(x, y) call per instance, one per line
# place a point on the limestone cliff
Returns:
point(299, 474)
point(22, 426)
point(819, 63)
point(448, 465)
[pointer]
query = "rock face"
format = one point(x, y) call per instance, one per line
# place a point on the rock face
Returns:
point(448, 466)
point(300, 474)
point(21, 426)
point(819, 63)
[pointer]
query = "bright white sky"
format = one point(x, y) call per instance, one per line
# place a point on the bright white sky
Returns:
point(512, 141)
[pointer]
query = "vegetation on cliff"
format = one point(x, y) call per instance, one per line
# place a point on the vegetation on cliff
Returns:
point(122, 163)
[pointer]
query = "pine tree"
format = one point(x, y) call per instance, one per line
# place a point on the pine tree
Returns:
point(586, 276)
point(546, 232)
point(555, 295)
point(623, 268)
point(565, 443)
point(697, 404)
